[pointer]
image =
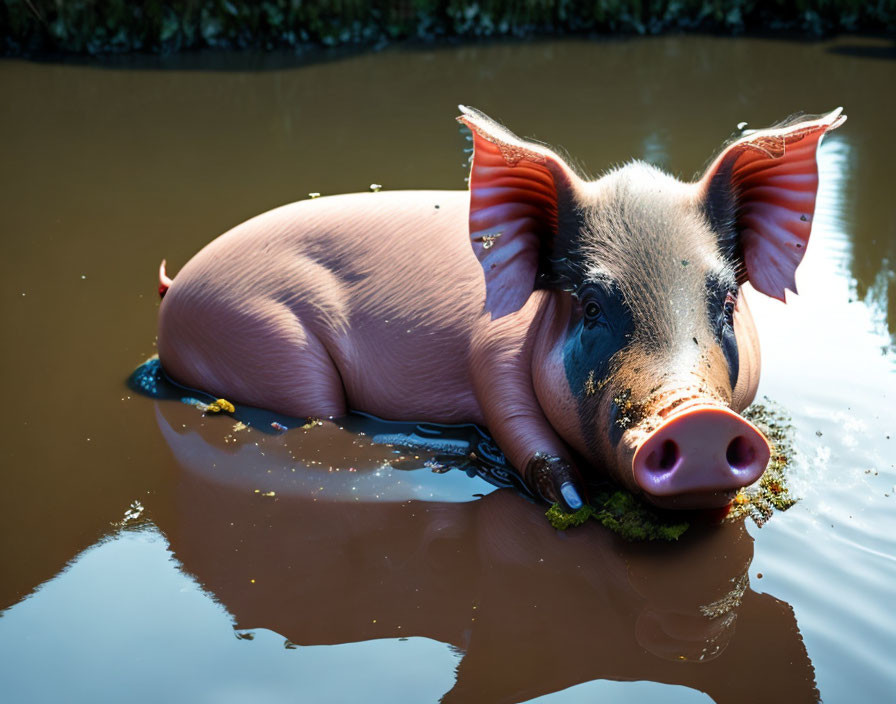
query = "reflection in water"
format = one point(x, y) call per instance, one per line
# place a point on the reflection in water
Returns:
point(871, 259)
point(654, 151)
point(533, 611)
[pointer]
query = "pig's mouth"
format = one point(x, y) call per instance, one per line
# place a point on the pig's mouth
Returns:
point(694, 501)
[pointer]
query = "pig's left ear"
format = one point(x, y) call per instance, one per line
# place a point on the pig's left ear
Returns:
point(520, 196)
point(771, 179)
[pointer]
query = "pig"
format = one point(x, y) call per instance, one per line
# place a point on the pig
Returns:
point(595, 327)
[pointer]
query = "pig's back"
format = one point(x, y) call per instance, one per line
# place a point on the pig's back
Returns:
point(386, 282)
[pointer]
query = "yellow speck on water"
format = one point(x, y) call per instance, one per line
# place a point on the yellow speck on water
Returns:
point(237, 427)
point(269, 493)
point(314, 195)
point(258, 491)
point(222, 404)
point(374, 620)
point(252, 581)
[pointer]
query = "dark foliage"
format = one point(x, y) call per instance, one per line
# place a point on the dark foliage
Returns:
point(109, 26)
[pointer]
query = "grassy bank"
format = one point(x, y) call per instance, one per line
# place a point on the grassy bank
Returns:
point(104, 26)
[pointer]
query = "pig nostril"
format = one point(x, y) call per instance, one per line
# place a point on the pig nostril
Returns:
point(665, 458)
point(740, 454)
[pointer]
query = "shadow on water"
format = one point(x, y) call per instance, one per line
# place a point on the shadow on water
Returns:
point(208, 60)
point(531, 610)
point(256, 61)
point(865, 51)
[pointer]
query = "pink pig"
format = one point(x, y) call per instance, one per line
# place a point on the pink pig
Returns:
point(591, 326)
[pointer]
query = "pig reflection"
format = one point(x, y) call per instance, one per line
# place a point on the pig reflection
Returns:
point(591, 326)
point(533, 610)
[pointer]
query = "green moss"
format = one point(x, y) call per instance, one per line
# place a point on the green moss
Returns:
point(104, 26)
point(772, 492)
point(561, 520)
point(624, 514)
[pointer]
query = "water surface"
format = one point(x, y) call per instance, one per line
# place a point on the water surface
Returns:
point(143, 555)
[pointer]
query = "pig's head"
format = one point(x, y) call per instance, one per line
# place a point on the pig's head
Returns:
point(648, 350)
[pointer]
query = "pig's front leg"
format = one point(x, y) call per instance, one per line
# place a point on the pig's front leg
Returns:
point(502, 377)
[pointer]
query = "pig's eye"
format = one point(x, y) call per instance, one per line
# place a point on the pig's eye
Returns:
point(730, 303)
point(592, 311)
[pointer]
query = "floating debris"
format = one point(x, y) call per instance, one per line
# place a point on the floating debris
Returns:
point(488, 241)
point(221, 405)
point(133, 515)
point(238, 426)
point(436, 467)
point(376, 187)
point(315, 194)
point(730, 601)
point(278, 426)
point(135, 510)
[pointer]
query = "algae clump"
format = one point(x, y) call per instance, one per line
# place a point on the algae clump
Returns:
point(624, 514)
point(771, 492)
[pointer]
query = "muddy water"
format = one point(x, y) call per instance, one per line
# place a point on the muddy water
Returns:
point(149, 552)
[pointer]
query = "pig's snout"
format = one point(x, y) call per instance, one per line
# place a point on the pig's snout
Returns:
point(698, 456)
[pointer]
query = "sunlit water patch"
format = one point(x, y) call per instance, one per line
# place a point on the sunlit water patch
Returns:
point(829, 357)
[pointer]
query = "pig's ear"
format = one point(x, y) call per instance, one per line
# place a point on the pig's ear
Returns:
point(770, 177)
point(519, 193)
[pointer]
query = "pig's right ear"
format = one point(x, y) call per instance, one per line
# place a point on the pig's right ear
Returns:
point(770, 179)
point(519, 193)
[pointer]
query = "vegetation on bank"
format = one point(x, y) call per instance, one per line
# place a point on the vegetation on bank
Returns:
point(110, 26)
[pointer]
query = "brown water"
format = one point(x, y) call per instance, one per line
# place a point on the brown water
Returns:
point(381, 582)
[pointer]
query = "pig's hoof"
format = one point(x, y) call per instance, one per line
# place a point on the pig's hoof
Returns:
point(555, 481)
